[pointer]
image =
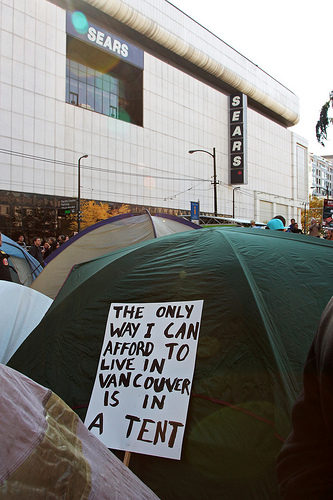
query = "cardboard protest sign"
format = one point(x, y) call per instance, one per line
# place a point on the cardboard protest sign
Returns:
point(142, 388)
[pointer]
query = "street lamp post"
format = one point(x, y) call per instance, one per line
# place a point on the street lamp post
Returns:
point(233, 201)
point(79, 192)
point(305, 217)
point(215, 182)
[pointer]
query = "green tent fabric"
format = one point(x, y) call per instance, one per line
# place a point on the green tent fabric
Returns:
point(263, 291)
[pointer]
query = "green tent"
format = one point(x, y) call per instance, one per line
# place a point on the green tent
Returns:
point(263, 293)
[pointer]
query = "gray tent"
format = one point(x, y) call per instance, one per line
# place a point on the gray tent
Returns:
point(102, 238)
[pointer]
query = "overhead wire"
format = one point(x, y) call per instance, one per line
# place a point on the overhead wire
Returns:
point(99, 169)
point(29, 156)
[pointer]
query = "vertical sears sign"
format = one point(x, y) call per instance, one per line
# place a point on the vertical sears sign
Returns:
point(237, 139)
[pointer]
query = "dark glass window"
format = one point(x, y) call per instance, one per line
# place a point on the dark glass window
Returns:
point(4, 216)
point(30, 215)
point(115, 91)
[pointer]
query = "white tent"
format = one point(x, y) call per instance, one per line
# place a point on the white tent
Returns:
point(102, 238)
point(21, 309)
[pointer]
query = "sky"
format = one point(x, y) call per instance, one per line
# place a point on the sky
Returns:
point(290, 39)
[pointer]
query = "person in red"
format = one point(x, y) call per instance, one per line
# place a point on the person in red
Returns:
point(305, 463)
point(4, 265)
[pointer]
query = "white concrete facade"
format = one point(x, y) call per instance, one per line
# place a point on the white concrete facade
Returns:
point(42, 136)
point(320, 176)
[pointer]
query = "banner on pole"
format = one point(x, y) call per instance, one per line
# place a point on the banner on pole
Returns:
point(195, 212)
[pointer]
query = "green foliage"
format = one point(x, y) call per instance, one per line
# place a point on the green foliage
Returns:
point(323, 122)
point(93, 212)
point(315, 210)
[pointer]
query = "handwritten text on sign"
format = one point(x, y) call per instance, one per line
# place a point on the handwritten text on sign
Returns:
point(141, 393)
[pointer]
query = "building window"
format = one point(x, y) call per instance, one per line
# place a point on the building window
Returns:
point(113, 111)
point(101, 83)
point(91, 89)
point(73, 98)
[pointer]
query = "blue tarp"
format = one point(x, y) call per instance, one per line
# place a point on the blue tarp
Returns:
point(24, 268)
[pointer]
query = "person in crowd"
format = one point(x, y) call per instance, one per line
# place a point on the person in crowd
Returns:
point(4, 265)
point(304, 464)
point(53, 246)
point(35, 250)
point(275, 224)
point(252, 223)
point(61, 239)
point(21, 242)
point(295, 229)
point(291, 226)
point(282, 219)
point(46, 249)
point(314, 228)
point(329, 234)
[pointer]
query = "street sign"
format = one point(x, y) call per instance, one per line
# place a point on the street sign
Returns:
point(68, 206)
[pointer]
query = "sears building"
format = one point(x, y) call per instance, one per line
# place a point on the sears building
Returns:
point(136, 86)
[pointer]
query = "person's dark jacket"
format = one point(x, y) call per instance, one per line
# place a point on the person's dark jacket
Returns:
point(4, 267)
point(305, 463)
point(37, 254)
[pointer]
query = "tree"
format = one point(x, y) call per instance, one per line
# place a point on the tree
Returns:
point(315, 211)
point(93, 212)
point(324, 121)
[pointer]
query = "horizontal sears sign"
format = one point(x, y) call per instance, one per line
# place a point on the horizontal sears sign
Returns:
point(237, 139)
point(102, 39)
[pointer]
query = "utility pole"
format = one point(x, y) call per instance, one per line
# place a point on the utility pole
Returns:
point(215, 182)
point(79, 192)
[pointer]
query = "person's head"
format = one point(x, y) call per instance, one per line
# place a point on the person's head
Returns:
point(252, 222)
point(281, 218)
point(20, 238)
point(330, 235)
point(275, 225)
point(37, 241)
point(292, 221)
point(295, 225)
